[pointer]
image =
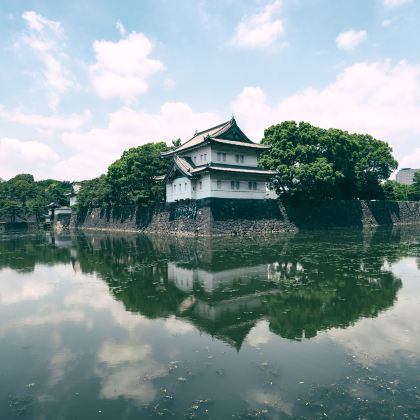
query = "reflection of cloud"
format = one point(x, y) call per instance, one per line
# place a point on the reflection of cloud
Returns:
point(268, 400)
point(59, 364)
point(392, 332)
point(19, 288)
point(114, 354)
point(97, 296)
point(50, 318)
point(127, 370)
point(177, 327)
point(259, 335)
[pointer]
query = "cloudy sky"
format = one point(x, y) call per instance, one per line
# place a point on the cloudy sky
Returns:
point(81, 81)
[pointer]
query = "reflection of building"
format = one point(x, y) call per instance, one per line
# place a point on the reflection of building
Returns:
point(225, 303)
point(406, 176)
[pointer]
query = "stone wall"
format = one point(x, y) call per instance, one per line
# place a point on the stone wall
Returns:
point(229, 216)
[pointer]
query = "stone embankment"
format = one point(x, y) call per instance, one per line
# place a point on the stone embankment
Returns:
point(228, 216)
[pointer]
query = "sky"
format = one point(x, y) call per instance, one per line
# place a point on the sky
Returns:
point(82, 81)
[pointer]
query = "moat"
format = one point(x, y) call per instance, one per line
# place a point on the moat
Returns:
point(293, 325)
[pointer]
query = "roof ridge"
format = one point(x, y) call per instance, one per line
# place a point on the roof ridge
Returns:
point(211, 128)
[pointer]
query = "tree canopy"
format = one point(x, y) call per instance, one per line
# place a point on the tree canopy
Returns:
point(23, 197)
point(396, 191)
point(316, 163)
point(129, 180)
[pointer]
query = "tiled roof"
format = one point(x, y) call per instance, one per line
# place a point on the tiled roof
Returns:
point(189, 169)
point(242, 144)
point(215, 134)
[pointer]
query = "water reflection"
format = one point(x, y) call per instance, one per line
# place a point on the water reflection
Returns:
point(224, 287)
point(164, 326)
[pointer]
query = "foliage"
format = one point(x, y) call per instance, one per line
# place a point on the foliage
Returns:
point(23, 197)
point(93, 193)
point(396, 191)
point(316, 163)
point(129, 180)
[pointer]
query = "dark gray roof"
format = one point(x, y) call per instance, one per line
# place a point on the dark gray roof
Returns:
point(225, 133)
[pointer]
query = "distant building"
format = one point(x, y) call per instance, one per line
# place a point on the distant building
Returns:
point(75, 188)
point(406, 176)
point(218, 162)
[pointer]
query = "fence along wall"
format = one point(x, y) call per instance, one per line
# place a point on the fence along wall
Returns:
point(230, 216)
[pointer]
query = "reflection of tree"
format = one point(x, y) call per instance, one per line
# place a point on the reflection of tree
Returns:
point(302, 284)
point(23, 252)
point(312, 282)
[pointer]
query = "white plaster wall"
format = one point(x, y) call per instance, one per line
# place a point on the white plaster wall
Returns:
point(73, 201)
point(196, 154)
point(205, 190)
point(244, 192)
point(250, 157)
point(185, 193)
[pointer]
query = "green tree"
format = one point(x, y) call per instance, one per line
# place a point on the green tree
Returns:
point(94, 193)
point(316, 163)
point(131, 178)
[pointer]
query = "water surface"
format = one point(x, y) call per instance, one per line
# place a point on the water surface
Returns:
point(308, 325)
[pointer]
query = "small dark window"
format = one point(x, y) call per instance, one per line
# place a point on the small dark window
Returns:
point(232, 185)
point(219, 184)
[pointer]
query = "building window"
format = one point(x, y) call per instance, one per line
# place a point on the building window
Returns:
point(174, 187)
point(219, 184)
point(232, 185)
point(242, 158)
point(185, 186)
point(205, 157)
point(201, 185)
point(252, 185)
point(179, 187)
point(201, 158)
point(195, 159)
point(237, 185)
point(219, 156)
point(249, 185)
point(224, 157)
point(239, 158)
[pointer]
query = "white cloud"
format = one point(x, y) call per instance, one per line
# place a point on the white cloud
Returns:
point(412, 160)
point(38, 23)
point(120, 28)
point(350, 39)
point(122, 68)
point(394, 3)
point(24, 156)
point(377, 98)
point(45, 38)
point(53, 122)
point(260, 30)
point(169, 83)
point(96, 149)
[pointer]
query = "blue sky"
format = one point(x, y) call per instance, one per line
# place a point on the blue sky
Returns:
point(82, 81)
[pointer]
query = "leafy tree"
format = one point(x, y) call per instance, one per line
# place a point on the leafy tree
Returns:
point(94, 193)
point(131, 178)
point(24, 197)
point(416, 186)
point(316, 163)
